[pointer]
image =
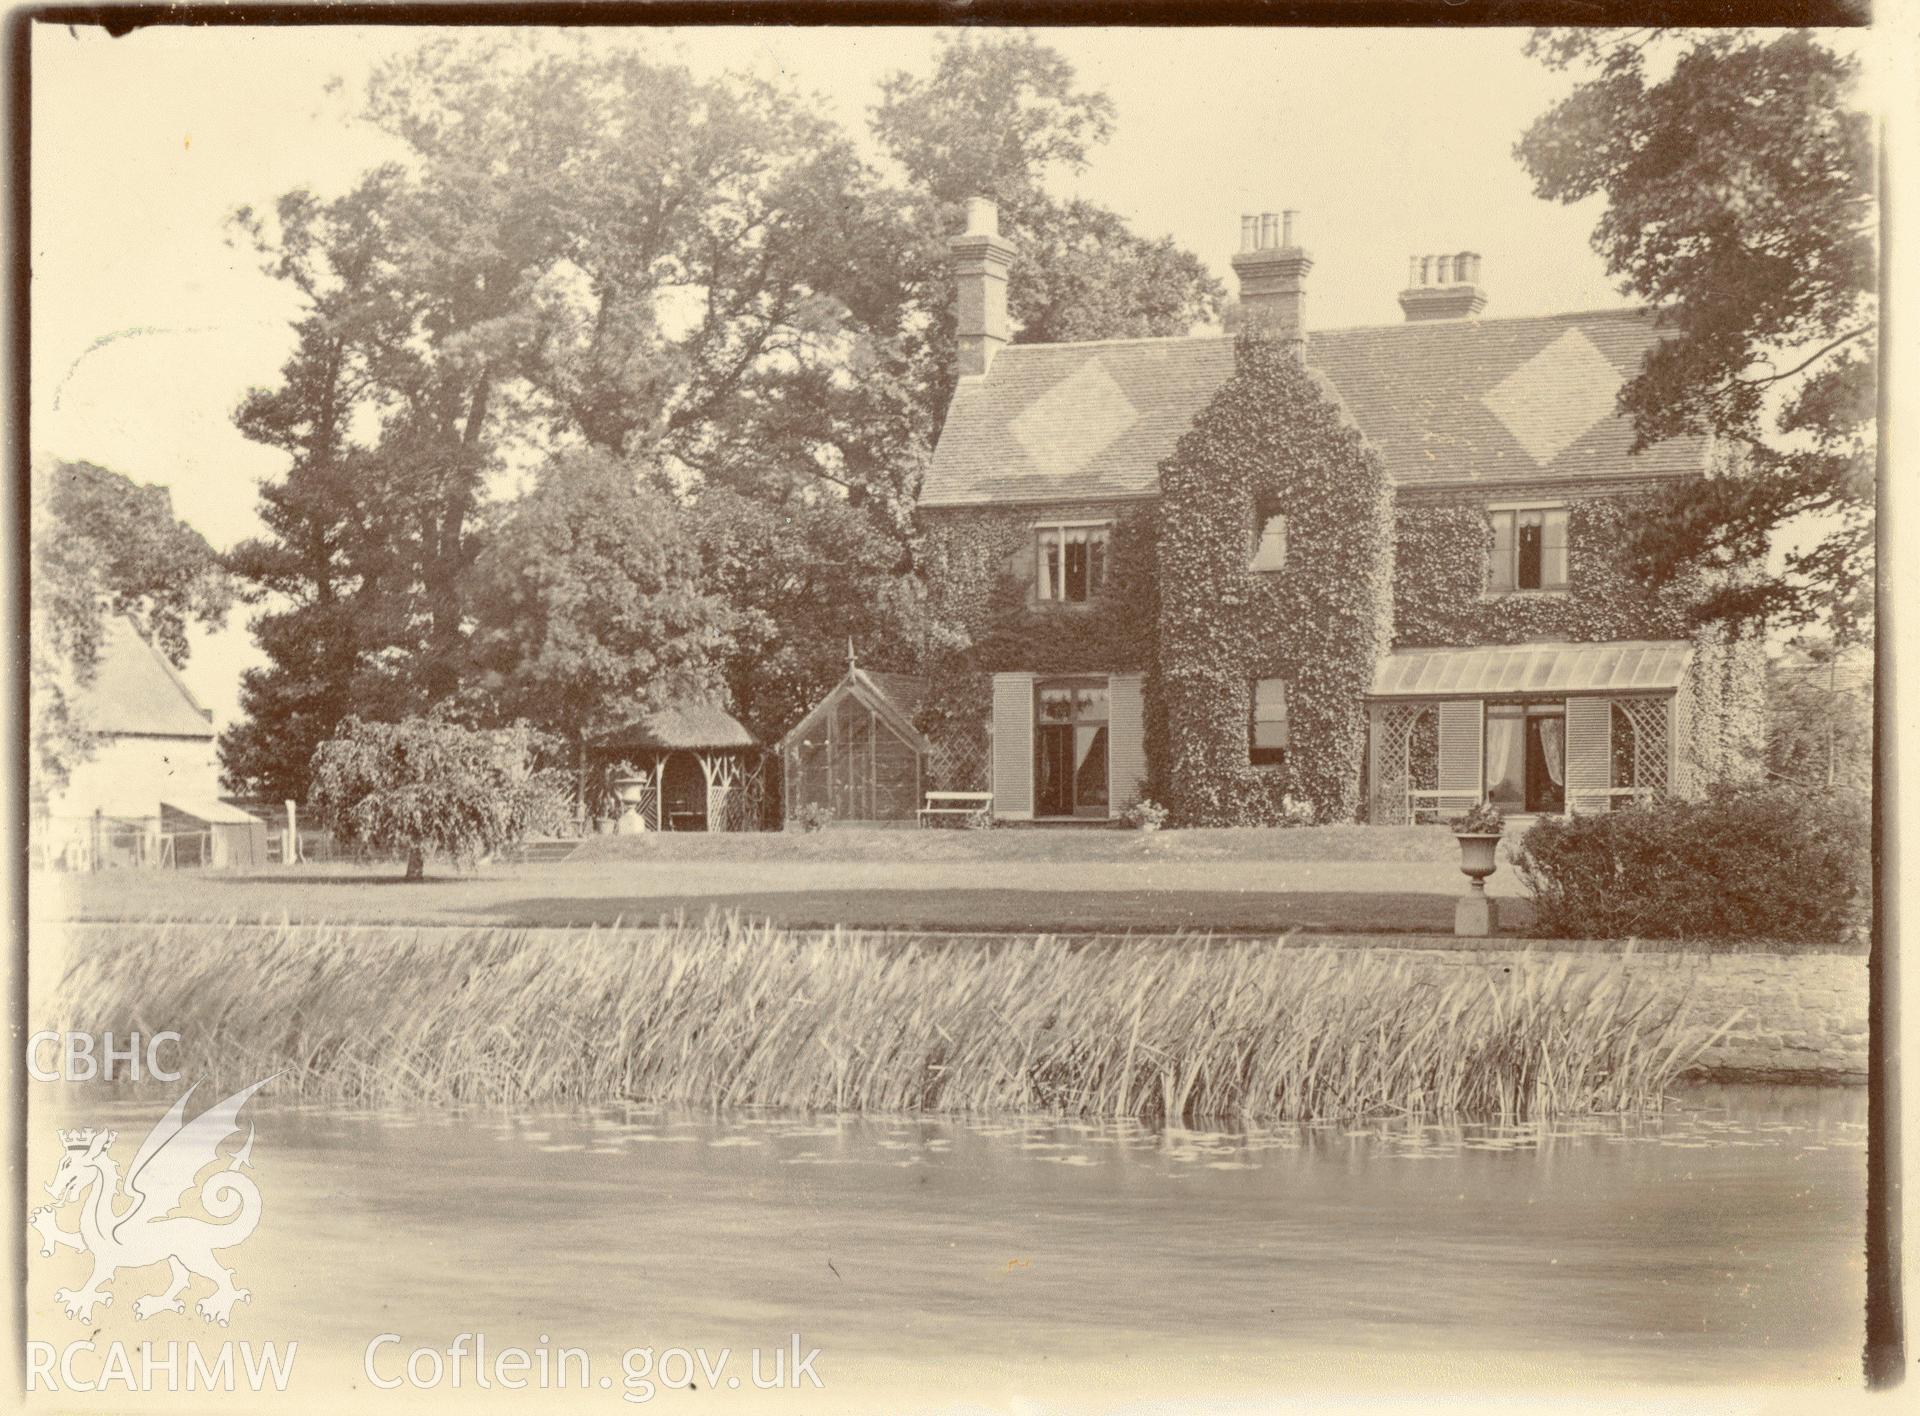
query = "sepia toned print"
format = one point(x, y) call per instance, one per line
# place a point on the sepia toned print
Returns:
point(950, 719)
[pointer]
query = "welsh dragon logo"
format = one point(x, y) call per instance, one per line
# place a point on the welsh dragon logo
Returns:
point(147, 1231)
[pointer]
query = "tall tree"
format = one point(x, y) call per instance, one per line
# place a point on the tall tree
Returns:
point(103, 544)
point(1820, 716)
point(589, 247)
point(1003, 116)
point(582, 247)
point(589, 607)
point(1738, 181)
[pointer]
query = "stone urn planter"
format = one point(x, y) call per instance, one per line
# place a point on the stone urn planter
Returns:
point(1475, 914)
point(1478, 832)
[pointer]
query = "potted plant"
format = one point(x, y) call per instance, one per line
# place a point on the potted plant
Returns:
point(1478, 832)
point(1144, 814)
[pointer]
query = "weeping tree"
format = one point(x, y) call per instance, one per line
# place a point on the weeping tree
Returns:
point(429, 785)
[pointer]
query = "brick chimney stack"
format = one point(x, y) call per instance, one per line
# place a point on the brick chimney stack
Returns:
point(980, 264)
point(1273, 276)
point(1443, 287)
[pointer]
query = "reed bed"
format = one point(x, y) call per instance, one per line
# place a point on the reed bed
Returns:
point(726, 1012)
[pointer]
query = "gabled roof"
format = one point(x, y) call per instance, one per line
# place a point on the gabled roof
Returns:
point(1620, 666)
point(135, 691)
point(682, 725)
point(896, 697)
point(1444, 401)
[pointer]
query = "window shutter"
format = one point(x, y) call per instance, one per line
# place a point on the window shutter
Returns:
point(1589, 752)
point(1126, 739)
point(1462, 762)
point(1553, 550)
point(1501, 577)
point(1013, 746)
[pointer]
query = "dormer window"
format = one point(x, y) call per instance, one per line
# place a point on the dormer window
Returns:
point(1271, 552)
point(1072, 561)
point(1529, 548)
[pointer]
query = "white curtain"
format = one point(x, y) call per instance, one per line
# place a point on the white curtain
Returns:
point(1506, 767)
point(1553, 746)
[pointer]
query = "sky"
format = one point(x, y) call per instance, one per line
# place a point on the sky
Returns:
point(151, 320)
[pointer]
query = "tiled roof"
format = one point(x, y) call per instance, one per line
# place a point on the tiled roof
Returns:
point(1445, 401)
point(1620, 666)
point(136, 691)
point(689, 725)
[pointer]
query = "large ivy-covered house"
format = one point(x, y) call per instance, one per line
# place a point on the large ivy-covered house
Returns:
point(1373, 570)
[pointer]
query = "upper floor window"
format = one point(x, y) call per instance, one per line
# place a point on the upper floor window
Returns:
point(1529, 548)
point(1072, 562)
point(1268, 745)
point(1271, 553)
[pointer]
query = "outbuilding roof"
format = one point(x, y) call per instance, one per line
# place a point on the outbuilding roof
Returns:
point(1445, 401)
point(687, 725)
point(135, 691)
point(210, 811)
point(897, 697)
point(1621, 666)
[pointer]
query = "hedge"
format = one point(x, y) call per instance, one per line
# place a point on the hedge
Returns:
point(1774, 862)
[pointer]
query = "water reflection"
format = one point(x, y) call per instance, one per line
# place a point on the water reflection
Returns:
point(1719, 1241)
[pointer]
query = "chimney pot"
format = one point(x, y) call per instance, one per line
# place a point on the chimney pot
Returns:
point(1272, 273)
point(1443, 287)
point(983, 217)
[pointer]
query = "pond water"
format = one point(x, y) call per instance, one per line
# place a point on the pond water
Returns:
point(1022, 1261)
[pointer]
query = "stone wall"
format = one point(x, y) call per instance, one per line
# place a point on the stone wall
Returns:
point(1802, 1014)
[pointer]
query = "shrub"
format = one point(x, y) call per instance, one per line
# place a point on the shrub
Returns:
point(1144, 814)
point(814, 816)
point(1759, 863)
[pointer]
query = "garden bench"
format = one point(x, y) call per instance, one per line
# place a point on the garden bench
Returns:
point(956, 804)
point(1596, 800)
point(1440, 802)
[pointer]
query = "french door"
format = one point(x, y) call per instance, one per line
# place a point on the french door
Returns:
point(1526, 756)
point(1070, 749)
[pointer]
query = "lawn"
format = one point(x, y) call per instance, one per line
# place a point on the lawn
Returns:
point(1343, 880)
point(1078, 844)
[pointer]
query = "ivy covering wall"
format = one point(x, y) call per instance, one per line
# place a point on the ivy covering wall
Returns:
point(1442, 550)
point(1273, 441)
point(1366, 571)
point(981, 576)
point(1442, 547)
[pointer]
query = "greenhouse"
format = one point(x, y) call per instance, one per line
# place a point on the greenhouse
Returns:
point(858, 754)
